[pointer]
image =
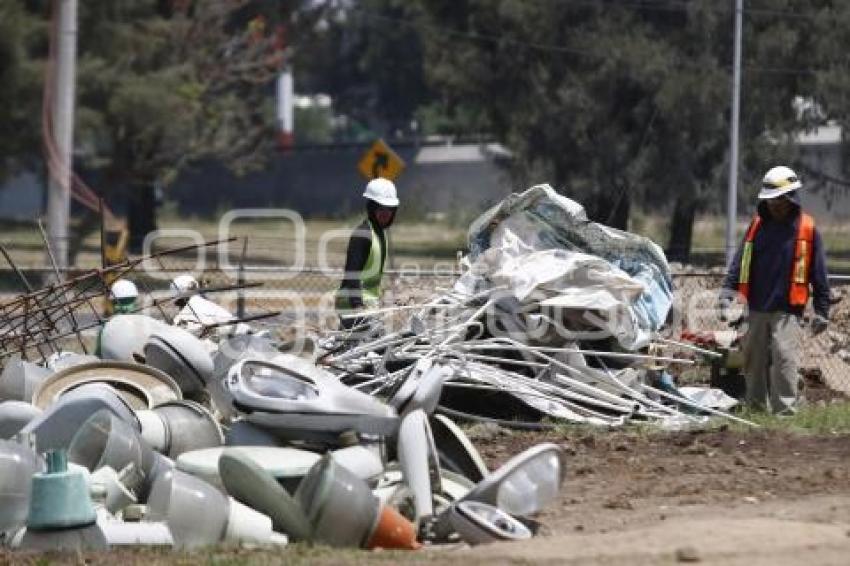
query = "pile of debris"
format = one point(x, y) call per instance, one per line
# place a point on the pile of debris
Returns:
point(178, 436)
point(237, 441)
point(554, 316)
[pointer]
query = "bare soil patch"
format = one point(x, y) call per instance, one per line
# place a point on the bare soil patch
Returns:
point(716, 497)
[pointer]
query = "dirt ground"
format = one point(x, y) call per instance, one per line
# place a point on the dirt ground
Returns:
point(722, 497)
point(633, 498)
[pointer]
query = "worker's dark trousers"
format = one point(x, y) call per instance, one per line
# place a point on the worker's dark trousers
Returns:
point(771, 346)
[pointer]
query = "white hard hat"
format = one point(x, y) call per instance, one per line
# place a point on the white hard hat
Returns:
point(381, 191)
point(184, 283)
point(124, 289)
point(778, 181)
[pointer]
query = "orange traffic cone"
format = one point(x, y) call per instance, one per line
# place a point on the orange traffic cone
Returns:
point(393, 531)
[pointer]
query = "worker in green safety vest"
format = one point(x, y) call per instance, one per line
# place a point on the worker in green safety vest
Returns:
point(367, 251)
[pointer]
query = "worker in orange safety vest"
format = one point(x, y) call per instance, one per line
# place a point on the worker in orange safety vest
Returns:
point(780, 263)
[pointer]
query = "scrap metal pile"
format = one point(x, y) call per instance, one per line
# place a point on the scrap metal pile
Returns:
point(179, 436)
point(554, 316)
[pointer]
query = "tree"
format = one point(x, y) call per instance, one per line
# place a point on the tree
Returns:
point(21, 37)
point(159, 88)
point(369, 63)
point(608, 102)
point(160, 84)
point(617, 102)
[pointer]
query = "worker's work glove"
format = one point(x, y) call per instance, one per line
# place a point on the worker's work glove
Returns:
point(819, 324)
point(729, 312)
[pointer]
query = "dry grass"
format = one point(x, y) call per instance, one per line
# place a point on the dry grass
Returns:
point(273, 241)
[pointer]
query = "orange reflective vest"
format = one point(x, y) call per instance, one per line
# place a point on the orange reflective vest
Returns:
point(798, 292)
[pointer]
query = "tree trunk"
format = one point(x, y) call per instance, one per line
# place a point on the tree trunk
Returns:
point(682, 229)
point(611, 208)
point(141, 215)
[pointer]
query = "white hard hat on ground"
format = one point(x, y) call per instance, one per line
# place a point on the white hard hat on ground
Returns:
point(779, 181)
point(184, 283)
point(124, 289)
point(381, 191)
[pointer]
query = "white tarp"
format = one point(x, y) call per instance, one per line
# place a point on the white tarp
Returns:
point(200, 312)
point(707, 397)
point(543, 249)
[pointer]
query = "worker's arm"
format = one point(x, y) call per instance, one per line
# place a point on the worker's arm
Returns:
point(729, 289)
point(359, 246)
point(818, 277)
point(733, 271)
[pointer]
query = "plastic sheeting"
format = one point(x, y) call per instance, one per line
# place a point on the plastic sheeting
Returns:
point(200, 312)
point(709, 397)
point(543, 249)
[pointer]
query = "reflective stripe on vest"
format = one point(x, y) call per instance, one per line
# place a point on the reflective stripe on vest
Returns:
point(373, 271)
point(798, 292)
point(747, 257)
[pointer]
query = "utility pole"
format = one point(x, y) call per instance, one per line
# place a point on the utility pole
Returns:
point(732, 196)
point(62, 114)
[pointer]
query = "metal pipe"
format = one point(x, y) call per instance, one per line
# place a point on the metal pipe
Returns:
point(46, 241)
point(616, 382)
point(732, 192)
point(557, 394)
point(252, 318)
point(687, 346)
point(29, 289)
point(621, 355)
point(388, 310)
point(389, 340)
point(17, 271)
point(685, 401)
point(495, 359)
point(571, 395)
point(557, 389)
point(637, 395)
point(559, 363)
point(473, 318)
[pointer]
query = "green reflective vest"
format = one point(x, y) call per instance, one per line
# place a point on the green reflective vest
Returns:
point(370, 276)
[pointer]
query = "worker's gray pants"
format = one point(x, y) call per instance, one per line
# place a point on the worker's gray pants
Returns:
point(771, 345)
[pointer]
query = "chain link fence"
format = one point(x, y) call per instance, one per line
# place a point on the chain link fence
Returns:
point(824, 358)
point(305, 298)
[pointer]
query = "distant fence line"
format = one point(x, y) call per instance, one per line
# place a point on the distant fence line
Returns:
point(46, 272)
point(304, 298)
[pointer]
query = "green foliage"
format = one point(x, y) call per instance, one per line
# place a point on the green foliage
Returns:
point(20, 94)
point(616, 100)
point(159, 89)
point(156, 88)
point(612, 102)
point(596, 96)
point(370, 64)
point(313, 125)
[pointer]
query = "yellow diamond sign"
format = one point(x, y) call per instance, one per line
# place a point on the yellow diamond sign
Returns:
point(380, 161)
